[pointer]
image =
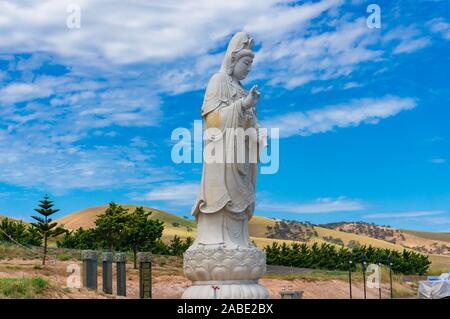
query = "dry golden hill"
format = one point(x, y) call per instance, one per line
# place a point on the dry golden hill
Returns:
point(258, 228)
point(12, 218)
point(85, 218)
point(175, 225)
point(426, 242)
point(429, 235)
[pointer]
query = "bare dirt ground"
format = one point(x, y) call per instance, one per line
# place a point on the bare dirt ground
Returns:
point(169, 282)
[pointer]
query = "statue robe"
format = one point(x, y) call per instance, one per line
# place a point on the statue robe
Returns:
point(226, 199)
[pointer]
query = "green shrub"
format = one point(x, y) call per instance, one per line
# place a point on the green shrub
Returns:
point(17, 231)
point(23, 287)
point(64, 257)
point(79, 239)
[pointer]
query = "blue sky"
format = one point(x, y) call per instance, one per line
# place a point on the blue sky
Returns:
point(86, 114)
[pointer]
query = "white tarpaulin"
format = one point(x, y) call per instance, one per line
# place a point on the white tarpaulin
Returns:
point(434, 289)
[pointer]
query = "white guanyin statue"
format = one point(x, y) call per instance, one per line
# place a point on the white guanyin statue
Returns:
point(223, 262)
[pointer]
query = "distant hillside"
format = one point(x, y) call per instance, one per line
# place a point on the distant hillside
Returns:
point(427, 242)
point(3, 217)
point(371, 230)
point(262, 230)
point(429, 235)
point(265, 231)
point(173, 224)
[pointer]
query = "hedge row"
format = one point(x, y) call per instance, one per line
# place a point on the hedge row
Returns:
point(326, 256)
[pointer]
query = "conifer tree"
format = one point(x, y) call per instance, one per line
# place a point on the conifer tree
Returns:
point(44, 224)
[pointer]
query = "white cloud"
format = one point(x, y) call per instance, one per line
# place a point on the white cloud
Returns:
point(43, 143)
point(124, 33)
point(409, 39)
point(440, 26)
point(409, 46)
point(352, 85)
point(174, 39)
point(342, 115)
point(85, 104)
point(320, 205)
point(438, 161)
point(125, 55)
point(406, 215)
point(19, 91)
point(285, 18)
point(293, 62)
point(45, 161)
point(172, 193)
point(318, 89)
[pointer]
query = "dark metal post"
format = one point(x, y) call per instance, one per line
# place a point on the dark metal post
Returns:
point(121, 262)
point(145, 275)
point(90, 259)
point(363, 259)
point(350, 273)
point(390, 274)
point(107, 272)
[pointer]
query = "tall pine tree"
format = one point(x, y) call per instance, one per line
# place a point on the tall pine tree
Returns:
point(44, 224)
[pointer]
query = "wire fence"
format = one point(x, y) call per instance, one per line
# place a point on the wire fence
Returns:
point(33, 253)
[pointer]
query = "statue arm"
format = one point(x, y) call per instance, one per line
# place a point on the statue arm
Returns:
point(218, 103)
point(218, 95)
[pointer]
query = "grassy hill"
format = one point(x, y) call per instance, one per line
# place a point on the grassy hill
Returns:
point(261, 228)
point(258, 228)
point(361, 239)
point(430, 235)
point(427, 242)
point(173, 224)
point(12, 218)
point(85, 218)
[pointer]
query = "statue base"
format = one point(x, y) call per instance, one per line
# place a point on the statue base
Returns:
point(221, 273)
point(226, 290)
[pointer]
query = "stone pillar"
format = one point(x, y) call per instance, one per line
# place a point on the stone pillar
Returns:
point(107, 272)
point(90, 259)
point(145, 275)
point(121, 260)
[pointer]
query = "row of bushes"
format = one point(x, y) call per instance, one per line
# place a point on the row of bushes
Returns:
point(326, 256)
point(88, 239)
point(13, 231)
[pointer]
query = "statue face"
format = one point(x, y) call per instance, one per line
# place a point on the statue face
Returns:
point(242, 67)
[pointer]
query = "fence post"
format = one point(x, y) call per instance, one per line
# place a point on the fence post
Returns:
point(145, 275)
point(380, 278)
point(364, 264)
point(107, 272)
point(390, 274)
point(90, 259)
point(350, 273)
point(121, 262)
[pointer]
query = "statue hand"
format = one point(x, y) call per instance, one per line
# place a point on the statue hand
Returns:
point(252, 98)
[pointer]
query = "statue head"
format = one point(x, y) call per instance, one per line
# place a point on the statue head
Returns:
point(239, 56)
